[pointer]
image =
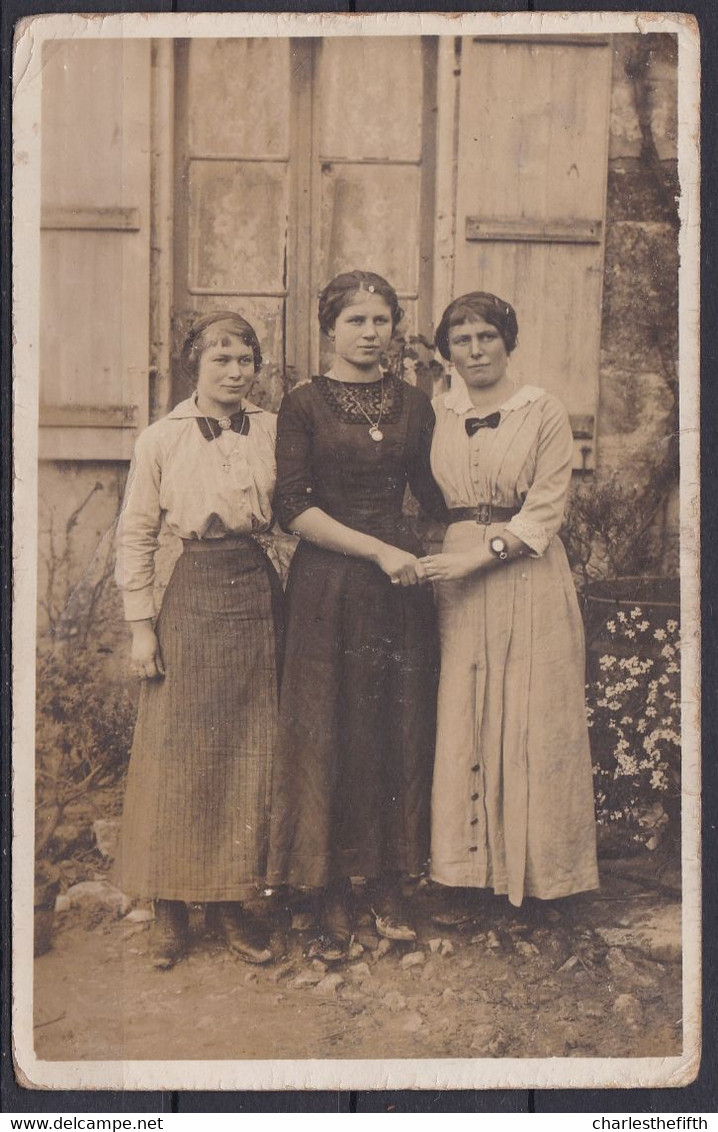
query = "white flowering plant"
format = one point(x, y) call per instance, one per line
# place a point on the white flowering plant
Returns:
point(634, 716)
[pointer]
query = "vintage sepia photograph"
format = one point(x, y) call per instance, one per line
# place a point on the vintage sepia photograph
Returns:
point(356, 587)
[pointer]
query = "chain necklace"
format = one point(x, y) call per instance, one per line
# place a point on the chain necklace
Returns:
point(225, 423)
point(374, 431)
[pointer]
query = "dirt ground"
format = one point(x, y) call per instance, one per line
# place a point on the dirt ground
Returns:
point(592, 976)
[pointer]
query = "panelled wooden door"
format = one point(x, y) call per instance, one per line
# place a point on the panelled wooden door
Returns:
point(330, 169)
point(530, 211)
point(95, 248)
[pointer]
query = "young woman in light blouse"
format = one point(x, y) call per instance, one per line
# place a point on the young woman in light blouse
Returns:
point(195, 815)
point(512, 801)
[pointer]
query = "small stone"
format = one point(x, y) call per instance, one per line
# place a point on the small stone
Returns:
point(449, 995)
point(318, 965)
point(98, 893)
point(412, 959)
point(329, 985)
point(62, 904)
point(306, 979)
point(480, 937)
point(355, 949)
point(526, 949)
point(630, 1009)
point(359, 972)
point(621, 967)
point(568, 965)
point(107, 835)
point(434, 945)
point(447, 948)
point(139, 916)
point(385, 946)
point(492, 941)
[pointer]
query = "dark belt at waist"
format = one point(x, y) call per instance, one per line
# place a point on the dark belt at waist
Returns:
point(227, 542)
point(483, 513)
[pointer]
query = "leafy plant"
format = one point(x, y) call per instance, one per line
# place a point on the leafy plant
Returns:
point(634, 717)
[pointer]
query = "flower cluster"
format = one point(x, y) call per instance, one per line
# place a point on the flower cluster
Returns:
point(634, 711)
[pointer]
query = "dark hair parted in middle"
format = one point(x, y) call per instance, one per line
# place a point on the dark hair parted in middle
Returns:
point(211, 328)
point(343, 289)
point(478, 304)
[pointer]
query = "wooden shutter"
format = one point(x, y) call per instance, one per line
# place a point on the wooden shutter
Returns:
point(532, 174)
point(95, 248)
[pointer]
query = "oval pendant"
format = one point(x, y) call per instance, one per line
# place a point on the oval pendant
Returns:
point(376, 434)
point(224, 423)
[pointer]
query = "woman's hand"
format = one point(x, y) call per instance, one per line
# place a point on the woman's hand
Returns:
point(403, 568)
point(146, 656)
point(452, 567)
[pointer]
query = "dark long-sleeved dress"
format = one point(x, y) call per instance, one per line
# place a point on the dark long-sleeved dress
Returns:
point(352, 775)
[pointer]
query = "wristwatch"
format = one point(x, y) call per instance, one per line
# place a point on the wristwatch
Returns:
point(499, 547)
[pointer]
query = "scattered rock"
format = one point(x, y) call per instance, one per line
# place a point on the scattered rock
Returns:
point(480, 937)
point(447, 948)
point(306, 979)
point(355, 949)
point(449, 995)
point(385, 946)
point(319, 965)
point(98, 894)
point(621, 967)
point(329, 985)
point(359, 972)
point(630, 1009)
point(434, 945)
point(492, 941)
point(412, 959)
point(139, 916)
point(62, 904)
point(656, 933)
point(526, 949)
point(107, 835)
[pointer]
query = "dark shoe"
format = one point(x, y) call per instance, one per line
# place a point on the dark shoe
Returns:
point(168, 935)
point(244, 935)
point(330, 947)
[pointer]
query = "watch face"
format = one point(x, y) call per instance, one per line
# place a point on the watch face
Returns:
point(497, 544)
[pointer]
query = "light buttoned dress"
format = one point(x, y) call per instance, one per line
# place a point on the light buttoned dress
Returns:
point(512, 800)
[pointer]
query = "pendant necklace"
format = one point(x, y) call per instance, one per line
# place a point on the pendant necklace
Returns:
point(225, 423)
point(374, 431)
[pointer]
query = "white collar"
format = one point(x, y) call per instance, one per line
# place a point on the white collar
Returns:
point(189, 408)
point(459, 401)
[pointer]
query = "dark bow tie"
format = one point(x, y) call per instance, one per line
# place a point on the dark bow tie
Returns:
point(211, 428)
point(473, 424)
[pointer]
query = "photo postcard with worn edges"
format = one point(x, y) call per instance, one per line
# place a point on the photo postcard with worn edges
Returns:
point(460, 848)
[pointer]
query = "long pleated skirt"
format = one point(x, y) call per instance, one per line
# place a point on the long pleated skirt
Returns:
point(195, 823)
point(352, 776)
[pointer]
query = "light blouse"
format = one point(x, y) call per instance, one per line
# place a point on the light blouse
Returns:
point(202, 489)
point(526, 462)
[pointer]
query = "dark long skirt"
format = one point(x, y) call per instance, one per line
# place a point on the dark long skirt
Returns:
point(353, 769)
point(195, 821)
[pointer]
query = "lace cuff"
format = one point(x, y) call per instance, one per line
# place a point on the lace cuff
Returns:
point(533, 534)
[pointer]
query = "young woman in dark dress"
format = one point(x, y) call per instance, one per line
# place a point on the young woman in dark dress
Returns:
point(352, 777)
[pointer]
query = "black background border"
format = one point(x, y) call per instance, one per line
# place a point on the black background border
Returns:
point(702, 1096)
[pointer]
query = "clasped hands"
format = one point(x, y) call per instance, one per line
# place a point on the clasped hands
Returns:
point(407, 570)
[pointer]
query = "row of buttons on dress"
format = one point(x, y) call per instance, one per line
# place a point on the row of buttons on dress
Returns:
point(474, 798)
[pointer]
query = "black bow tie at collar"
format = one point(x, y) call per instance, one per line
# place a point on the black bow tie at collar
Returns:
point(473, 424)
point(211, 428)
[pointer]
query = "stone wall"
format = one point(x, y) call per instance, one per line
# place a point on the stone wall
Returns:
point(637, 421)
